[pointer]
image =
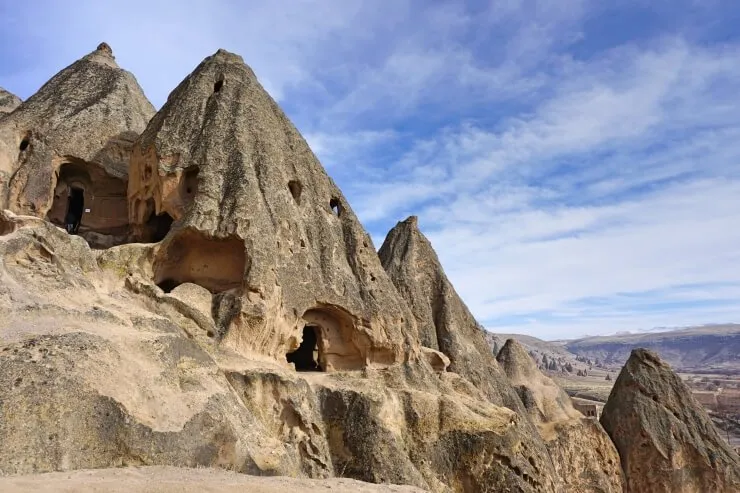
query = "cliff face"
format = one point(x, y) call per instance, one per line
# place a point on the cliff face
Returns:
point(75, 133)
point(666, 440)
point(584, 456)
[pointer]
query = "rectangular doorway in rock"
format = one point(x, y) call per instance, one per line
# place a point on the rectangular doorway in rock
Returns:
point(306, 357)
point(75, 209)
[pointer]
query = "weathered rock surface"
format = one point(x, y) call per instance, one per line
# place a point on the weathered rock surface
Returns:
point(101, 368)
point(260, 224)
point(8, 102)
point(444, 322)
point(584, 456)
point(76, 132)
point(666, 440)
point(544, 400)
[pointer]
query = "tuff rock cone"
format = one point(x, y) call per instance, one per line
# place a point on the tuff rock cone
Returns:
point(8, 102)
point(75, 133)
point(584, 456)
point(256, 218)
point(444, 322)
point(666, 440)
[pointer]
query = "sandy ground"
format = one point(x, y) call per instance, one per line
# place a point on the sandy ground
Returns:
point(177, 480)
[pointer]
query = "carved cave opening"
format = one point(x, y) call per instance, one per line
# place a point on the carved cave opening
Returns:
point(167, 285)
point(217, 264)
point(339, 342)
point(295, 188)
point(157, 226)
point(336, 206)
point(307, 357)
point(88, 201)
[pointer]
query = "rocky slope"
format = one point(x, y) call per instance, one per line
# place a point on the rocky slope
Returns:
point(666, 441)
point(445, 323)
point(709, 348)
point(584, 456)
point(8, 102)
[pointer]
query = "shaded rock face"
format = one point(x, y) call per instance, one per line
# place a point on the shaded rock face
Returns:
point(666, 440)
point(444, 322)
point(250, 214)
point(584, 456)
point(101, 368)
point(8, 102)
point(74, 136)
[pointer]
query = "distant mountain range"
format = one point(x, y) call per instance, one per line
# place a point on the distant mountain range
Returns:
point(708, 348)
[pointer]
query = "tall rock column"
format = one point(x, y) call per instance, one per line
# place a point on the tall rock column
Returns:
point(666, 440)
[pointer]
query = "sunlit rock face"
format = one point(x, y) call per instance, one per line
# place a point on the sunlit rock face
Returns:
point(8, 102)
point(666, 440)
point(584, 456)
point(256, 220)
point(72, 139)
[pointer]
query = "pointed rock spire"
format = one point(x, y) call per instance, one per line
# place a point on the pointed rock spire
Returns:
point(542, 397)
point(8, 102)
point(584, 456)
point(78, 127)
point(444, 321)
point(258, 222)
point(666, 440)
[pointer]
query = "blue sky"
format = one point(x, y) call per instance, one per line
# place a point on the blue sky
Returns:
point(576, 164)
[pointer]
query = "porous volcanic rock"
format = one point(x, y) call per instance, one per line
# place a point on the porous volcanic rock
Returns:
point(444, 321)
point(258, 222)
point(100, 368)
point(76, 133)
point(584, 456)
point(666, 440)
point(8, 102)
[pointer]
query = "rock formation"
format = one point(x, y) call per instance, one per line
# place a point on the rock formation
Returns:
point(259, 223)
point(666, 440)
point(73, 139)
point(444, 322)
point(182, 349)
point(8, 102)
point(584, 456)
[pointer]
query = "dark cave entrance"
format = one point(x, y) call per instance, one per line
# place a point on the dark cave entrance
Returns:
point(158, 226)
point(75, 209)
point(168, 285)
point(306, 357)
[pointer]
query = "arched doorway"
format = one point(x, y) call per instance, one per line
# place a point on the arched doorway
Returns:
point(90, 202)
point(308, 356)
